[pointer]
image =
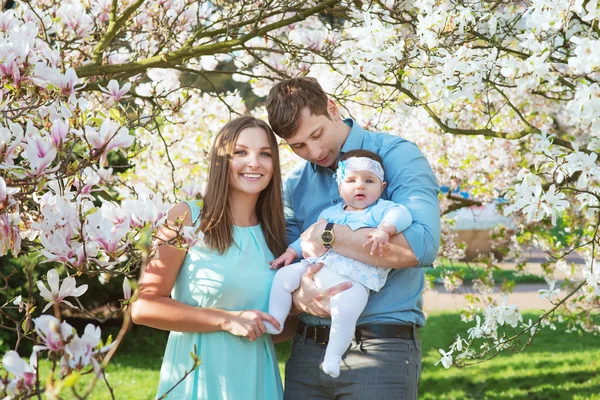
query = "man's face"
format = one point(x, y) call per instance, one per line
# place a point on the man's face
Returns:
point(318, 138)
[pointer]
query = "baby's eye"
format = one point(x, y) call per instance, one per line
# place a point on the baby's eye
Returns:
point(369, 180)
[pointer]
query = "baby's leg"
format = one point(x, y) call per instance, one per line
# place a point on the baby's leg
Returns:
point(346, 307)
point(286, 281)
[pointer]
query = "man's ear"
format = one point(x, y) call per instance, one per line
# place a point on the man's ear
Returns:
point(332, 109)
point(383, 186)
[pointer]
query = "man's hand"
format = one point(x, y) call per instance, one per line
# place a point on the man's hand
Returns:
point(310, 299)
point(312, 245)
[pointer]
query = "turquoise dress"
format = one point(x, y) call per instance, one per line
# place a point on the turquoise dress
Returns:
point(232, 366)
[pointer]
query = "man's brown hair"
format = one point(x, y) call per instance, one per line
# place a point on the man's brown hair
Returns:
point(216, 221)
point(288, 98)
point(362, 153)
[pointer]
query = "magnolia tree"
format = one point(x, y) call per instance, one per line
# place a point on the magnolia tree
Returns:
point(100, 135)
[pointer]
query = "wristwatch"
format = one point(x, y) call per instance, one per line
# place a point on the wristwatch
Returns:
point(327, 237)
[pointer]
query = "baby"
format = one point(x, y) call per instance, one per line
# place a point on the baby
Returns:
point(360, 181)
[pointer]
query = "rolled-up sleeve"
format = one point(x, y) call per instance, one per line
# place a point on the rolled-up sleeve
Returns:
point(395, 214)
point(413, 184)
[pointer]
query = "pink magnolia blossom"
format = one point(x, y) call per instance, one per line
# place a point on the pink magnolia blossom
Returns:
point(23, 372)
point(79, 351)
point(191, 189)
point(10, 67)
point(67, 82)
point(74, 17)
point(126, 289)
point(56, 295)
point(10, 139)
point(107, 234)
point(109, 137)
point(52, 332)
point(89, 179)
point(113, 90)
point(191, 237)
point(6, 193)
point(7, 21)
point(59, 132)
point(58, 248)
point(148, 208)
point(10, 238)
point(40, 153)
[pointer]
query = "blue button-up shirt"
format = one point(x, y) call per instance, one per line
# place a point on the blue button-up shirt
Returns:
point(309, 189)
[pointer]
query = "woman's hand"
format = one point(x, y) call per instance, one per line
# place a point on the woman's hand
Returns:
point(249, 323)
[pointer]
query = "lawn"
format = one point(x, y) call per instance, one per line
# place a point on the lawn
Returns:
point(470, 271)
point(557, 366)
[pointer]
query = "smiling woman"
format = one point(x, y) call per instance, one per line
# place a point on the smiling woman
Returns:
point(213, 299)
point(251, 166)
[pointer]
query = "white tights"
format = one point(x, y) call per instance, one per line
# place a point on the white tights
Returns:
point(345, 307)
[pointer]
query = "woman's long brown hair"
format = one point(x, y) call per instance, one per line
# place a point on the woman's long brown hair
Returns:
point(216, 221)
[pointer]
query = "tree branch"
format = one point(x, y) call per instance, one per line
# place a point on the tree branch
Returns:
point(114, 26)
point(173, 58)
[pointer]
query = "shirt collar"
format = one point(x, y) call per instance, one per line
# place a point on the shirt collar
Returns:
point(354, 141)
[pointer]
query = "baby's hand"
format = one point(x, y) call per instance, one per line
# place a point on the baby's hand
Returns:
point(378, 239)
point(284, 259)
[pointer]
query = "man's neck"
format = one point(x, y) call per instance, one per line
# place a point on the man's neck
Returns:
point(345, 132)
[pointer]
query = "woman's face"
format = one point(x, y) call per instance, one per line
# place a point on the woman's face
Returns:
point(251, 166)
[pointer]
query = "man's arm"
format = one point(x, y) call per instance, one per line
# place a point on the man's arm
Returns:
point(350, 244)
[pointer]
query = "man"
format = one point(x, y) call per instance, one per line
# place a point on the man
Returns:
point(385, 359)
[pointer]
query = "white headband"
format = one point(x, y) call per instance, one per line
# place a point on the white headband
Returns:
point(357, 164)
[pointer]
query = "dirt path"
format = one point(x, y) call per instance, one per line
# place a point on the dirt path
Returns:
point(525, 296)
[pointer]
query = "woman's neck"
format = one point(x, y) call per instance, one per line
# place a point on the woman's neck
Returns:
point(243, 209)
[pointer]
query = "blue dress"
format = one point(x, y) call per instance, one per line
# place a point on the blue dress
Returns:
point(232, 366)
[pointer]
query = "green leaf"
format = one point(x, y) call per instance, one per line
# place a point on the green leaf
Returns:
point(90, 211)
point(25, 326)
point(71, 379)
point(116, 115)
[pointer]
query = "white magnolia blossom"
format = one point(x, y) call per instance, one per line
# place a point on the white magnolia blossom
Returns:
point(55, 295)
point(551, 294)
point(446, 359)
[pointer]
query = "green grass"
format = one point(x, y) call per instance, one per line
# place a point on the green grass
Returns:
point(557, 366)
point(472, 271)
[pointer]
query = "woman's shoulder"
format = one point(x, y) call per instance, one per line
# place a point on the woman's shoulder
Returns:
point(188, 210)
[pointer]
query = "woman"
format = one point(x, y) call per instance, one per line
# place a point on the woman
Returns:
point(219, 292)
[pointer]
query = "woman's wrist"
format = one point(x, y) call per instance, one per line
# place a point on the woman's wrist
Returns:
point(224, 320)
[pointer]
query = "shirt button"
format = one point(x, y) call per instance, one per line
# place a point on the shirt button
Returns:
point(335, 201)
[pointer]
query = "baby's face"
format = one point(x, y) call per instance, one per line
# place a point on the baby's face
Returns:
point(360, 189)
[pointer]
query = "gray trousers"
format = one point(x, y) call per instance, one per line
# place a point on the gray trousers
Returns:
point(373, 369)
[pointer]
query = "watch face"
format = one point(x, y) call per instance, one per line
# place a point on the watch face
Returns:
point(327, 236)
